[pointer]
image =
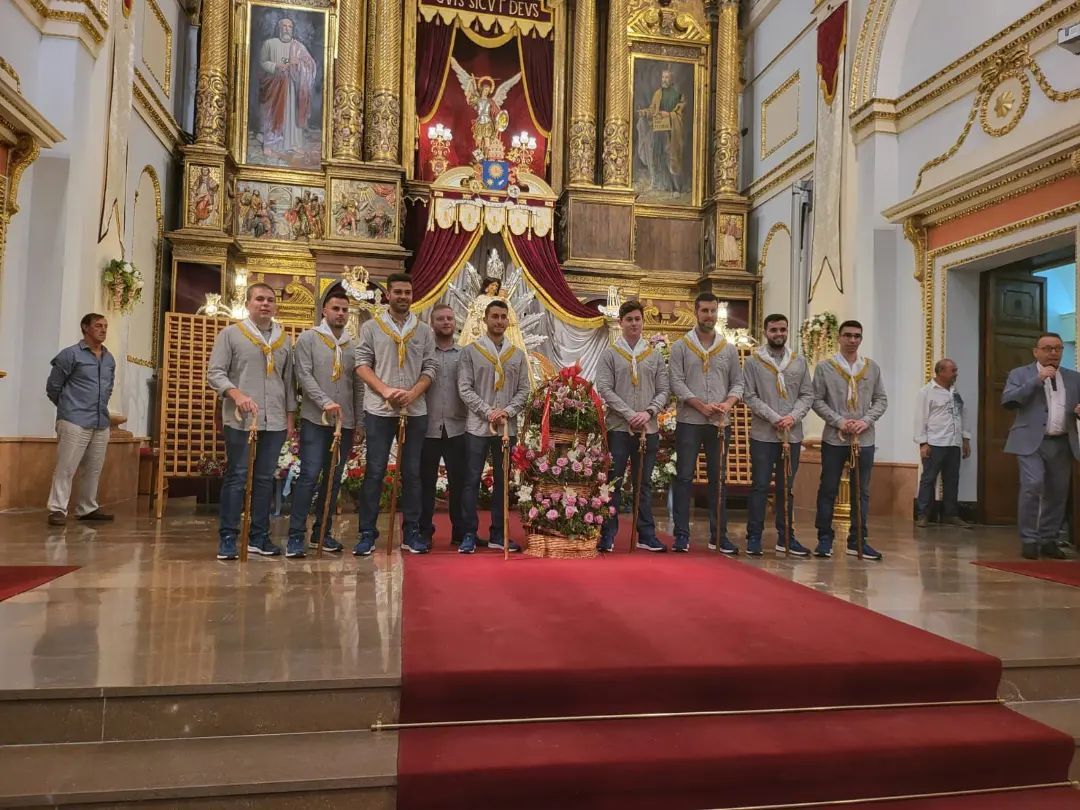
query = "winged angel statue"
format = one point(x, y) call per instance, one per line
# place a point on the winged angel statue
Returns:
point(487, 99)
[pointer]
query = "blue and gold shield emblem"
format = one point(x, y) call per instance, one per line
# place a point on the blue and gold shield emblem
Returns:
point(495, 174)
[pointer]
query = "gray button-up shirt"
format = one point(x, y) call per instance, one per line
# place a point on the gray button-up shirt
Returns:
point(379, 352)
point(762, 396)
point(615, 385)
point(831, 396)
point(237, 362)
point(444, 405)
point(689, 380)
point(313, 365)
point(476, 384)
point(80, 385)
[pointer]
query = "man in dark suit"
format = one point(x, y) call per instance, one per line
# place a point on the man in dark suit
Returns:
point(1043, 438)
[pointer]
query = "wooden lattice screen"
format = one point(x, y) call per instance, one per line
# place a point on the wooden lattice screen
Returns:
point(738, 453)
point(188, 429)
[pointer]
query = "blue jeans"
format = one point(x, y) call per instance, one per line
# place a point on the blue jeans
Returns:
point(267, 450)
point(764, 458)
point(451, 451)
point(624, 447)
point(689, 439)
point(833, 457)
point(478, 449)
point(381, 433)
point(315, 441)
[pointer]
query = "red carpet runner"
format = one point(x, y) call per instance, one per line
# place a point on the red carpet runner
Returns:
point(643, 633)
point(14, 579)
point(1063, 573)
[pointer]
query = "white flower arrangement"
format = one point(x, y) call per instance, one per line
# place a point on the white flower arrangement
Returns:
point(124, 285)
point(818, 336)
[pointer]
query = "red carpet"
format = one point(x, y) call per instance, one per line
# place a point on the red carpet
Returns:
point(485, 638)
point(517, 533)
point(1064, 573)
point(14, 579)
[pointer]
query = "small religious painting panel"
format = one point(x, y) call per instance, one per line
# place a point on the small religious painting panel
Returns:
point(730, 241)
point(665, 170)
point(364, 210)
point(204, 197)
point(286, 86)
point(277, 211)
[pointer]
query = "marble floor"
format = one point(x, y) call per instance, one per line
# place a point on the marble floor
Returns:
point(151, 607)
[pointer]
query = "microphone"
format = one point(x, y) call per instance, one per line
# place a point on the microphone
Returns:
point(1053, 382)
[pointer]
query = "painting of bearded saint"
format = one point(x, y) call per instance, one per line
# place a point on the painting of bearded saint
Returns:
point(285, 88)
point(663, 149)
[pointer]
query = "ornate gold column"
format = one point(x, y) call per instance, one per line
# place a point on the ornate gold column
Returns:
point(212, 89)
point(349, 82)
point(383, 130)
point(617, 98)
point(582, 135)
point(726, 126)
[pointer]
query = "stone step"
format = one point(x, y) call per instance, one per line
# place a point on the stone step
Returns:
point(1034, 679)
point(43, 716)
point(329, 769)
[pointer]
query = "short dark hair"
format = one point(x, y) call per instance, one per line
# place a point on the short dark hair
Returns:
point(705, 298)
point(495, 304)
point(631, 306)
point(846, 324)
point(88, 320)
point(773, 319)
point(398, 278)
point(256, 286)
point(1046, 335)
point(335, 292)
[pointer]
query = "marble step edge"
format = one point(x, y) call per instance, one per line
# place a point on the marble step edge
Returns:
point(83, 773)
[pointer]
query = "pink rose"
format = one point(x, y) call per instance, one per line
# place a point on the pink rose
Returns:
point(552, 515)
point(545, 503)
point(556, 470)
point(570, 511)
point(542, 466)
point(578, 466)
point(581, 448)
point(533, 513)
point(530, 454)
point(562, 462)
point(601, 478)
point(556, 496)
point(582, 501)
point(596, 504)
point(589, 518)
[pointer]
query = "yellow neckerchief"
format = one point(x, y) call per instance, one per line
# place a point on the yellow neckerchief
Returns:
point(632, 356)
point(334, 344)
point(694, 344)
point(487, 350)
point(400, 336)
point(838, 362)
point(277, 338)
point(762, 356)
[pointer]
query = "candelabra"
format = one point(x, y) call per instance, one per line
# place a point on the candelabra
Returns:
point(440, 138)
point(522, 147)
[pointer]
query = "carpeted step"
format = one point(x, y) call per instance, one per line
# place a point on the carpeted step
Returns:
point(484, 638)
point(1065, 798)
point(696, 763)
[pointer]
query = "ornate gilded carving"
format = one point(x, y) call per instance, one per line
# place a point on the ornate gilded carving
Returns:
point(616, 165)
point(383, 126)
point(212, 89)
point(10, 71)
point(915, 233)
point(348, 115)
point(617, 153)
point(778, 227)
point(25, 152)
point(383, 130)
point(726, 161)
point(665, 21)
point(583, 151)
point(726, 128)
point(348, 121)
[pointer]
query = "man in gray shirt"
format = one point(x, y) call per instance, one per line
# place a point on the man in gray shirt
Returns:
point(445, 440)
point(324, 363)
point(779, 394)
point(251, 369)
point(396, 361)
point(493, 381)
point(706, 378)
point(632, 379)
point(850, 396)
point(79, 385)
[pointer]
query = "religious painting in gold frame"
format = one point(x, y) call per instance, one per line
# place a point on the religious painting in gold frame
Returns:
point(667, 134)
point(286, 86)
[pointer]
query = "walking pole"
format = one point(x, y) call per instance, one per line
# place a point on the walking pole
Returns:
point(506, 487)
point(856, 494)
point(785, 437)
point(637, 489)
point(245, 520)
point(395, 483)
point(721, 436)
point(335, 451)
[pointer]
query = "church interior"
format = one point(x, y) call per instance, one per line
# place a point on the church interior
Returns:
point(909, 168)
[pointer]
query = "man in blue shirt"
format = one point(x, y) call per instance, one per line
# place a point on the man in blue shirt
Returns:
point(80, 384)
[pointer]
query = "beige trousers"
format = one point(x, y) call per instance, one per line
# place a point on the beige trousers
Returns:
point(80, 450)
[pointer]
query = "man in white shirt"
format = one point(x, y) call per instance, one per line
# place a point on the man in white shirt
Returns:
point(941, 431)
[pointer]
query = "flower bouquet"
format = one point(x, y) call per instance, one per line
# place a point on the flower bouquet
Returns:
point(123, 283)
point(660, 343)
point(211, 467)
point(567, 408)
point(288, 460)
point(818, 336)
point(663, 472)
point(564, 523)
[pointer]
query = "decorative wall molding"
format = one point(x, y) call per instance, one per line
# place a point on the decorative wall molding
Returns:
point(156, 115)
point(772, 182)
point(791, 84)
point(157, 17)
point(773, 231)
point(84, 20)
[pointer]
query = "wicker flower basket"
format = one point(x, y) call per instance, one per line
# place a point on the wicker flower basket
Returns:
point(558, 546)
point(565, 437)
point(581, 489)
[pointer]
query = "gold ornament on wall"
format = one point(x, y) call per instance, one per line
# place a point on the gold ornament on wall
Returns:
point(383, 130)
point(582, 151)
point(617, 153)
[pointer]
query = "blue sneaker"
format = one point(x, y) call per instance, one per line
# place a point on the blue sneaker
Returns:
point(682, 544)
point(651, 544)
point(328, 544)
point(606, 545)
point(797, 549)
point(726, 547)
point(468, 544)
point(365, 546)
point(295, 547)
point(415, 544)
point(265, 547)
point(497, 544)
point(824, 549)
point(868, 551)
point(226, 549)
point(753, 547)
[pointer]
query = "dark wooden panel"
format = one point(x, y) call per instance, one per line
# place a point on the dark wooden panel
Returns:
point(599, 231)
point(669, 244)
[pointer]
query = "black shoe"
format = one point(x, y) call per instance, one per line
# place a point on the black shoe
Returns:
point(97, 514)
point(1030, 551)
point(57, 518)
point(1051, 552)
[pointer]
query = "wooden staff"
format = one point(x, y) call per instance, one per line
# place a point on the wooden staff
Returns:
point(637, 489)
point(856, 494)
point(245, 520)
point(402, 418)
point(785, 438)
point(721, 436)
point(506, 487)
point(331, 473)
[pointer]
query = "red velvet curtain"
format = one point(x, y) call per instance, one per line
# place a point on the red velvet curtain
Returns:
point(439, 252)
point(538, 62)
point(538, 256)
point(434, 40)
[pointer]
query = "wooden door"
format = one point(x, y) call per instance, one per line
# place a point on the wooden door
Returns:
point(1013, 316)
